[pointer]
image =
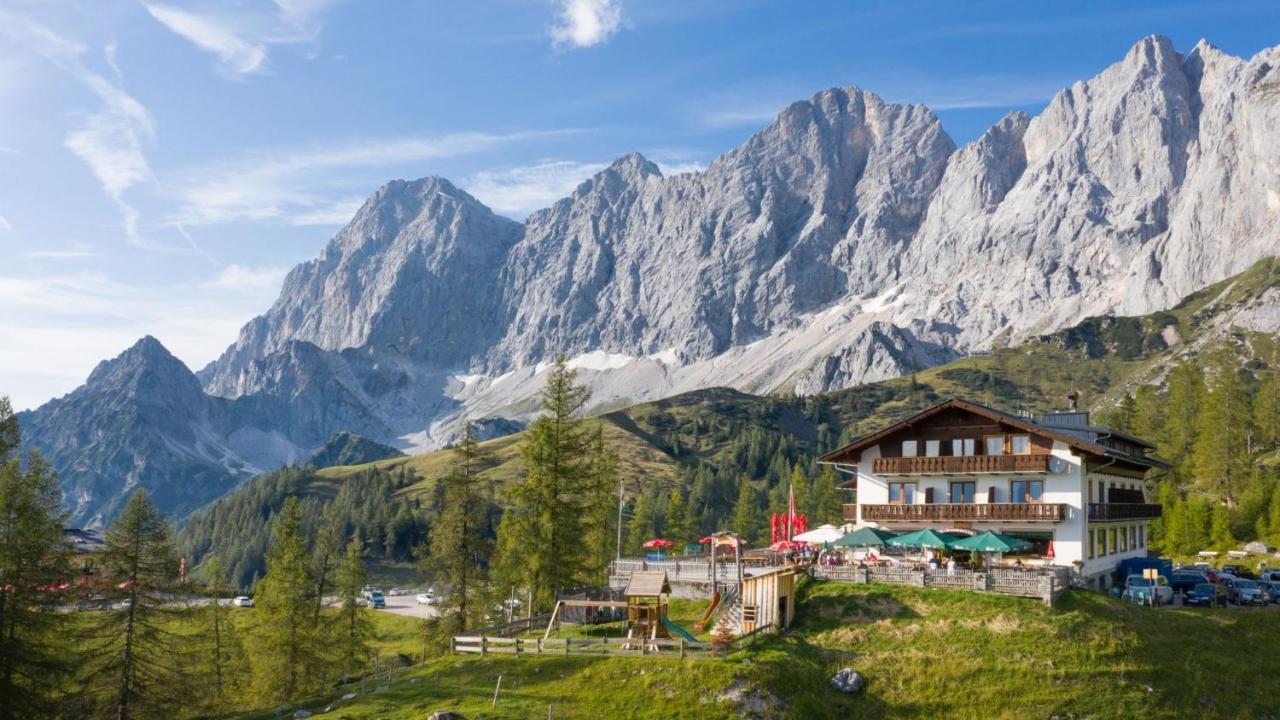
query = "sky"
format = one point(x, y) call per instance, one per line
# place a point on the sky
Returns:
point(164, 163)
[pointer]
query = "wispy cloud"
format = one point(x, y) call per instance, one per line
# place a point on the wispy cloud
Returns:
point(586, 23)
point(240, 40)
point(110, 139)
point(518, 191)
point(5, 224)
point(753, 114)
point(211, 33)
point(242, 277)
point(312, 185)
point(75, 252)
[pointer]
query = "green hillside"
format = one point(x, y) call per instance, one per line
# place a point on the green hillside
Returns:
point(924, 654)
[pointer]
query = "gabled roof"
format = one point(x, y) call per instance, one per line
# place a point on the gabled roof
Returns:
point(648, 583)
point(847, 454)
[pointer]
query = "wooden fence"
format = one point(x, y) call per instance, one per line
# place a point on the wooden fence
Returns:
point(670, 647)
point(1046, 584)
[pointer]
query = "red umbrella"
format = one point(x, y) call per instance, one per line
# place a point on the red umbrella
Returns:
point(658, 543)
point(784, 545)
point(1049, 553)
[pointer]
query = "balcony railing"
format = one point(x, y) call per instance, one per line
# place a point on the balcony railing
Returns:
point(961, 512)
point(962, 464)
point(1123, 511)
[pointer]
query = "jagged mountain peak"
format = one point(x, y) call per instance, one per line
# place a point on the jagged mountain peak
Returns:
point(146, 357)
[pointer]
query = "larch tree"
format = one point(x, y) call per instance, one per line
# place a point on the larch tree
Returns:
point(747, 520)
point(1220, 454)
point(550, 505)
point(459, 549)
point(353, 632)
point(285, 655)
point(1181, 419)
point(136, 652)
point(32, 555)
point(326, 553)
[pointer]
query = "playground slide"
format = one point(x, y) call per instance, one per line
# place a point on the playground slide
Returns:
point(715, 603)
point(678, 630)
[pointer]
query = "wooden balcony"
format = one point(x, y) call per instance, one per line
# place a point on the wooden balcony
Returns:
point(1101, 512)
point(960, 512)
point(962, 464)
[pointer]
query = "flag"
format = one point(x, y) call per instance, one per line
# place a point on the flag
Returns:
point(791, 511)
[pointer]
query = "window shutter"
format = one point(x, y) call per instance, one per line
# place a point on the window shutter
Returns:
point(928, 496)
point(991, 494)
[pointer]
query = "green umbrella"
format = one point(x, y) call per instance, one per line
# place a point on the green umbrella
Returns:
point(991, 542)
point(927, 538)
point(866, 537)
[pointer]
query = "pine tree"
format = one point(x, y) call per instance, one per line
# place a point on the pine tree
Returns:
point(1220, 529)
point(218, 642)
point(828, 505)
point(459, 549)
point(549, 507)
point(600, 491)
point(326, 553)
point(1273, 514)
point(135, 651)
point(1220, 456)
point(641, 529)
point(748, 520)
point(1266, 410)
point(354, 630)
point(32, 656)
point(285, 657)
point(1181, 420)
point(677, 529)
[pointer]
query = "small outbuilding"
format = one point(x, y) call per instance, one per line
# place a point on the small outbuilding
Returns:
point(768, 600)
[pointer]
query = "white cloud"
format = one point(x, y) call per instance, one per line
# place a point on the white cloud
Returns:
point(586, 23)
point(210, 33)
point(312, 185)
point(519, 191)
point(75, 252)
point(5, 224)
point(752, 114)
point(241, 41)
point(241, 277)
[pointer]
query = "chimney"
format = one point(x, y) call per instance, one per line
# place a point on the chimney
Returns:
point(1073, 401)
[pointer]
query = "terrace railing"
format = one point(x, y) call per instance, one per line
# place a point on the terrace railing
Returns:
point(1043, 583)
point(1099, 512)
point(962, 464)
point(976, 512)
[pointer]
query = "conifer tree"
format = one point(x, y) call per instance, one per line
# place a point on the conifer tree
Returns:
point(677, 530)
point(135, 651)
point(549, 506)
point(285, 657)
point(602, 509)
point(1220, 529)
point(747, 519)
point(642, 527)
point(354, 630)
point(32, 554)
point(326, 553)
point(1181, 421)
point(459, 549)
point(828, 505)
point(1220, 456)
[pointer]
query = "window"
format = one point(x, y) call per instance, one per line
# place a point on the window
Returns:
point(1124, 539)
point(963, 492)
point(1111, 540)
point(908, 448)
point(1142, 536)
point(962, 446)
point(902, 493)
point(1091, 545)
point(1021, 444)
point(932, 448)
point(1026, 491)
point(1102, 543)
point(994, 444)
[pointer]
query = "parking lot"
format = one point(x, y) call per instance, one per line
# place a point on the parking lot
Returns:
point(408, 605)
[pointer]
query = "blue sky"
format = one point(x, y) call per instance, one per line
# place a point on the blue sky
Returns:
point(163, 164)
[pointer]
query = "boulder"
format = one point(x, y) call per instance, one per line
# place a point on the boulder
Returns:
point(848, 680)
point(1257, 548)
point(444, 715)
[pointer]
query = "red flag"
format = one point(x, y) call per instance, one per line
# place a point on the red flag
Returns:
point(791, 511)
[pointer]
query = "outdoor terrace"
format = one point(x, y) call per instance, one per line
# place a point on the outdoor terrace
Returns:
point(1101, 512)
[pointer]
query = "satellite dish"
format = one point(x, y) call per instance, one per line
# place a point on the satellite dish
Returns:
point(1057, 465)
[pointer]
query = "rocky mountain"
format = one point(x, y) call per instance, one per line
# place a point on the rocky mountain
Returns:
point(848, 241)
point(346, 448)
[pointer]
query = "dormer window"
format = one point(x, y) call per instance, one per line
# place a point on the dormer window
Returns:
point(1021, 444)
point(994, 444)
point(909, 448)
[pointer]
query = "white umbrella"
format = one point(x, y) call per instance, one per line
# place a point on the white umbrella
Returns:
point(820, 535)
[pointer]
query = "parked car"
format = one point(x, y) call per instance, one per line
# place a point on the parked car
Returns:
point(1245, 592)
point(243, 601)
point(1239, 571)
point(1140, 589)
point(374, 599)
point(1272, 589)
point(1269, 575)
point(395, 592)
point(1207, 595)
point(1207, 570)
point(1182, 581)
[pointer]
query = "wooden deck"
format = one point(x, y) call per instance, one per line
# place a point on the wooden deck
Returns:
point(961, 512)
point(962, 464)
point(669, 647)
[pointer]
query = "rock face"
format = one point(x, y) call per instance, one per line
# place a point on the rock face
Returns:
point(848, 241)
point(346, 448)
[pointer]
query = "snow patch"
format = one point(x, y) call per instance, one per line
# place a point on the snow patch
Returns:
point(468, 380)
point(600, 361)
point(884, 301)
point(670, 356)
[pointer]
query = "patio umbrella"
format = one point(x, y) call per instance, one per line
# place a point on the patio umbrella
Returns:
point(820, 535)
point(785, 545)
point(866, 537)
point(989, 542)
point(1049, 553)
point(658, 543)
point(927, 538)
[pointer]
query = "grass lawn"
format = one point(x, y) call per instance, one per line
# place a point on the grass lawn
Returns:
point(924, 654)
